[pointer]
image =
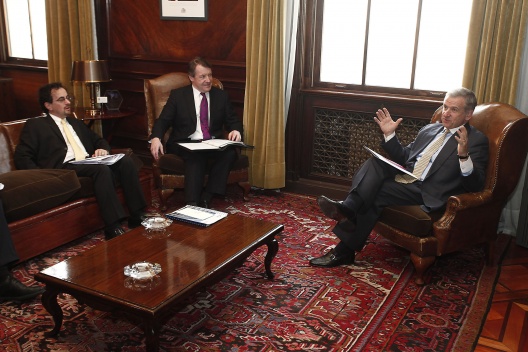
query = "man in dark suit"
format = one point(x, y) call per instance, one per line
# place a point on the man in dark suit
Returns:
point(457, 165)
point(184, 112)
point(10, 288)
point(52, 141)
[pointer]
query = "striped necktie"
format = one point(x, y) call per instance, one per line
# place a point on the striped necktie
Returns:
point(421, 164)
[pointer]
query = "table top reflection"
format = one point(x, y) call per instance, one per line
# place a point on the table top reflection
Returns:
point(188, 255)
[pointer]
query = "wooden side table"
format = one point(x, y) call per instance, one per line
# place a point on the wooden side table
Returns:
point(112, 115)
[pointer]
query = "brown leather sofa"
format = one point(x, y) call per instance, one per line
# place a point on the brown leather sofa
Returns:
point(47, 208)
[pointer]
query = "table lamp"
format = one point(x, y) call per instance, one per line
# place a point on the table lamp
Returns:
point(91, 72)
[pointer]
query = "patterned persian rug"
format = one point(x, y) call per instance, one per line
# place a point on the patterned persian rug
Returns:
point(373, 305)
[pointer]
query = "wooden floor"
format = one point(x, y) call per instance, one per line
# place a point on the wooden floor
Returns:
point(506, 326)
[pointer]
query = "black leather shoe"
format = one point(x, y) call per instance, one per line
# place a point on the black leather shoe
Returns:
point(135, 221)
point(330, 259)
point(13, 290)
point(335, 210)
point(114, 232)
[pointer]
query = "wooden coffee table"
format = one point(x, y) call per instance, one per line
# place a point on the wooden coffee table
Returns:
point(191, 258)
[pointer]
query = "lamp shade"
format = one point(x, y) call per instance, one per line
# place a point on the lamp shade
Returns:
point(90, 71)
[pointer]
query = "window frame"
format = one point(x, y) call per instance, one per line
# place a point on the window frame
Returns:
point(315, 73)
point(10, 61)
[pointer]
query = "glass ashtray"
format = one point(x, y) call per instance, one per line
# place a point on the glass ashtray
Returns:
point(142, 270)
point(156, 223)
point(142, 284)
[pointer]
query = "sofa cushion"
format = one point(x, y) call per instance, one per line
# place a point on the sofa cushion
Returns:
point(86, 190)
point(29, 192)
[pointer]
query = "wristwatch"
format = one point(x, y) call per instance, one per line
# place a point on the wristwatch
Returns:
point(463, 157)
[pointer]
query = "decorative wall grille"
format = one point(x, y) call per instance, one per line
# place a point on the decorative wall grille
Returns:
point(339, 138)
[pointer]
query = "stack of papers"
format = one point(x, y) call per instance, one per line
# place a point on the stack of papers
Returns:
point(104, 160)
point(196, 215)
point(390, 162)
point(213, 144)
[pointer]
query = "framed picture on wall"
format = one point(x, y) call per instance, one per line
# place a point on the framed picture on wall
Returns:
point(190, 10)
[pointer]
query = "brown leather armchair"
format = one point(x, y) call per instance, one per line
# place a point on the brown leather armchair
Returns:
point(472, 218)
point(168, 171)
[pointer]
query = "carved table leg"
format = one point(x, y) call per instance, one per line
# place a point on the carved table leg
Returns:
point(151, 329)
point(49, 301)
point(273, 248)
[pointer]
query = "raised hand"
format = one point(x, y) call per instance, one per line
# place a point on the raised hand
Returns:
point(462, 140)
point(385, 122)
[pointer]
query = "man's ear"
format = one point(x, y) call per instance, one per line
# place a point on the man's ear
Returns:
point(47, 105)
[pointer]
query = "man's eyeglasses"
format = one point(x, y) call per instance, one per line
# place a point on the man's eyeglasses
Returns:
point(68, 97)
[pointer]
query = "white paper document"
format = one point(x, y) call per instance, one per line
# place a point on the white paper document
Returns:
point(197, 215)
point(104, 160)
point(390, 162)
point(213, 144)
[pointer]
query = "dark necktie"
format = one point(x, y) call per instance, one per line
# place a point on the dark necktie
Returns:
point(204, 117)
point(421, 164)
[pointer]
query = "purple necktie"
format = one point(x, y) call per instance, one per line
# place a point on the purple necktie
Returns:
point(204, 113)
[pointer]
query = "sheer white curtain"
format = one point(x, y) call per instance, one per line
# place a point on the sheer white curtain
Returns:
point(510, 215)
point(290, 45)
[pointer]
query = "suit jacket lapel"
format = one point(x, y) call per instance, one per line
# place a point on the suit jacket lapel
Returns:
point(449, 148)
point(428, 137)
point(212, 103)
point(190, 104)
point(49, 120)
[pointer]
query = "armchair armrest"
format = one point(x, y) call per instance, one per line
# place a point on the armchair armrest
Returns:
point(468, 218)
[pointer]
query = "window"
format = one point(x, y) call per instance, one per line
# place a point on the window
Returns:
point(403, 44)
point(25, 27)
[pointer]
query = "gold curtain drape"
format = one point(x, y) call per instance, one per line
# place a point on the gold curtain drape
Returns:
point(495, 44)
point(264, 96)
point(70, 38)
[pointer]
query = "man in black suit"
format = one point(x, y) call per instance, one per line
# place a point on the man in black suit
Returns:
point(10, 288)
point(458, 166)
point(45, 143)
point(184, 112)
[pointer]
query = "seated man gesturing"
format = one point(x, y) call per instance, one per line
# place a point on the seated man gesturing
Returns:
point(447, 158)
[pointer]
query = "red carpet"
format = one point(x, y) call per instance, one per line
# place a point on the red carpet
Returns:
point(371, 306)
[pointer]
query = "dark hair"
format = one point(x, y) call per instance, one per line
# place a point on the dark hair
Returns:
point(198, 61)
point(45, 94)
point(471, 99)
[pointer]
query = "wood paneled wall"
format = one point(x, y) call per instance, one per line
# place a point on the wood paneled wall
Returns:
point(139, 45)
point(26, 82)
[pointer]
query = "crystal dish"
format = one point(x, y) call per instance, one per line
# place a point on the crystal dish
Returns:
point(142, 270)
point(156, 223)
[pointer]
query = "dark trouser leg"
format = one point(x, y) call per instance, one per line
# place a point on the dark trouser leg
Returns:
point(219, 172)
point(366, 182)
point(196, 167)
point(195, 170)
point(7, 249)
point(390, 193)
point(104, 189)
point(126, 172)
